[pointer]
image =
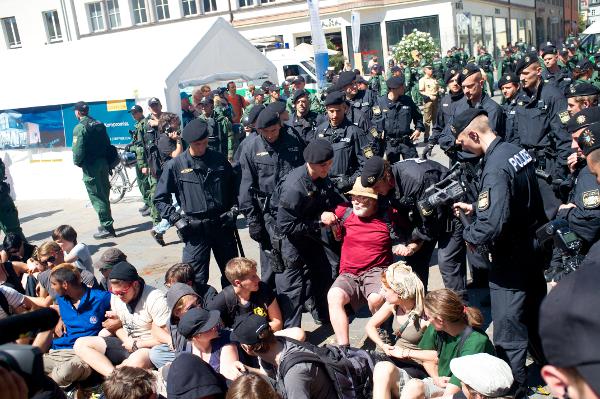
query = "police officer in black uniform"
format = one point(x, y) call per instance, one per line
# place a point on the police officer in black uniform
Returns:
point(302, 202)
point(266, 159)
point(552, 74)
point(403, 185)
point(539, 126)
point(509, 86)
point(581, 95)
point(506, 214)
point(355, 115)
point(448, 104)
point(362, 100)
point(248, 123)
point(350, 143)
point(393, 116)
point(203, 181)
point(303, 120)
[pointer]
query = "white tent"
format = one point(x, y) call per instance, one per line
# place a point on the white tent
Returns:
point(592, 29)
point(139, 63)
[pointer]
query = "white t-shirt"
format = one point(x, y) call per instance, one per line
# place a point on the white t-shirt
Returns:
point(151, 307)
point(84, 258)
point(13, 297)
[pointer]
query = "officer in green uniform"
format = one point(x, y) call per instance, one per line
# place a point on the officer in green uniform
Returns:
point(299, 83)
point(220, 136)
point(9, 217)
point(376, 82)
point(90, 149)
point(486, 62)
point(438, 70)
point(141, 166)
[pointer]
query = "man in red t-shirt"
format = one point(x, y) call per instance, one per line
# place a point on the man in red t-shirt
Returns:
point(238, 103)
point(366, 254)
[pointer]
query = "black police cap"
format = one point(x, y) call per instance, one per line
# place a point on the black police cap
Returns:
point(524, 62)
point(297, 94)
point(265, 85)
point(153, 101)
point(548, 49)
point(589, 139)
point(81, 106)
point(450, 74)
point(584, 64)
point(394, 82)
point(581, 89)
point(463, 119)
point(267, 118)
point(195, 130)
point(583, 118)
point(254, 112)
point(508, 78)
point(360, 79)
point(372, 171)
point(468, 70)
point(335, 97)
point(318, 151)
point(346, 78)
point(135, 108)
point(277, 107)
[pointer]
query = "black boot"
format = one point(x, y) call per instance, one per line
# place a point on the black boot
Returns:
point(144, 208)
point(105, 232)
point(158, 237)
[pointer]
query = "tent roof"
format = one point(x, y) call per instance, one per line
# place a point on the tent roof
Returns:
point(592, 29)
point(139, 63)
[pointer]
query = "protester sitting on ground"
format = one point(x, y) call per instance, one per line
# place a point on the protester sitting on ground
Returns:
point(302, 380)
point(74, 252)
point(50, 255)
point(192, 378)
point(570, 332)
point(454, 331)
point(130, 383)
point(210, 342)
point(180, 298)
point(251, 386)
point(15, 248)
point(82, 311)
point(184, 273)
point(142, 309)
point(104, 265)
point(366, 253)
point(14, 302)
point(482, 376)
point(248, 294)
point(16, 265)
point(404, 297)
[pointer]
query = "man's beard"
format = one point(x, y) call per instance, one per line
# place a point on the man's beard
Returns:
point(362, 212)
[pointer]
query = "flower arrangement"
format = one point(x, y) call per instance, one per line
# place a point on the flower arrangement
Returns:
point(415, 45)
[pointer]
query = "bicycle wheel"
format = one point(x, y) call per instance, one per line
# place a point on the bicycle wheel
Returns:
point(117, 185)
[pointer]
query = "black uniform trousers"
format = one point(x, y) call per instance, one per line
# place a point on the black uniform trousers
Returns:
point(196, 251)
point(515, 313)
point(394, 148)
point(266, 272)
point(452, 259)
point(421, 261)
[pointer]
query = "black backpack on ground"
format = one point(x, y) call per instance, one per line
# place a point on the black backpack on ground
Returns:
point(350, 369)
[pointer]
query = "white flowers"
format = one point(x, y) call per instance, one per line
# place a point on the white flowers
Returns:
point(422, 42)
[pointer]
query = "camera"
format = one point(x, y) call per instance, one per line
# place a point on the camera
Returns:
point(445, 192)
point(558, 233)
point(25, 360)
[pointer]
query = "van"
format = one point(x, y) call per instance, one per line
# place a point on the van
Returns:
point(289, 63)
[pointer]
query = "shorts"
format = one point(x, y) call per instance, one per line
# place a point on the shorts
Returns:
point(65, 367)
point(115, 351)
point(429, 386)
point(360, 287)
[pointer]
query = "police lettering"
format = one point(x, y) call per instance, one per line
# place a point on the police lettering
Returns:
point(519, 160)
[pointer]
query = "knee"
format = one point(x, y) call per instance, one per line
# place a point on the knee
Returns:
point(375, 301)
point(337, 298)
point(83, 343)
point(414, 388)
point(383, 371)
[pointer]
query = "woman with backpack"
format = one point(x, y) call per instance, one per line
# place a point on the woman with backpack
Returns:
point(453, 331)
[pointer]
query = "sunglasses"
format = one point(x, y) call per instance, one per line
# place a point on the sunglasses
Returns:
point(121, 292)
point(50, 259)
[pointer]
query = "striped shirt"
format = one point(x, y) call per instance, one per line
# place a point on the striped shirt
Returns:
point(14, 298)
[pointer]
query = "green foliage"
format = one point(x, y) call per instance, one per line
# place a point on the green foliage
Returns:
point(416, 40)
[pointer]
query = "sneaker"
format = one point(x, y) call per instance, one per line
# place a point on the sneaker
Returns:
point(105, 232)
point(143, 209)
point(146, 212)
point(158, 237)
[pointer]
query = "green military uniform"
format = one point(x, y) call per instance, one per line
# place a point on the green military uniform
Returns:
point(9, 216)
point(224, 132)
point(89, 153)
point(315, 104)
point(137, 147)
point(486, 62)
point(438, 71)
point(377, 83)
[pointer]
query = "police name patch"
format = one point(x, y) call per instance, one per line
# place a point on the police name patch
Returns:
point(186, 170)
point(519, 160)
point(591, 199)
point(483, 200)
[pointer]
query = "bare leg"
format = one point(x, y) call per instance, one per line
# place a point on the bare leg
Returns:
point(414, 389)
point(140, 358)
point(293, 332)
point(385, 377)
point(91, 350)
point(336, 299)
point(375, 301)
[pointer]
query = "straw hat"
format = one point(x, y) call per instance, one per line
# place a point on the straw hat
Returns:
point(358, 189)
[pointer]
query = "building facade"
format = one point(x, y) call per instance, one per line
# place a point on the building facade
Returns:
point(550, 20)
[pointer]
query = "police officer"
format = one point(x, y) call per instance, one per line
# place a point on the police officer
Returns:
point(581, 95)
point(509, 86)
point(505, 216)
point(153, 157)
point(202, 179)
point(507, 64)
point(299, 83)
point(141, 166)
point(354, 114)
point(393, 116)
point(220, 130)
point(485, 61)
point(472, 83)
point(303, 119)
point(552, 74)
point(300, 204)
point(362, 100)
point(90, 150)
point(447, 106)
point(539, 126)
point(266, 159)
point(589, 144)
point(248, 123)
point(403, 185)
point(9, 216)
point(350, 143)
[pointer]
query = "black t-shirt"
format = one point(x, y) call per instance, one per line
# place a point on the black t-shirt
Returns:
point(166, 146)
point(230, 307)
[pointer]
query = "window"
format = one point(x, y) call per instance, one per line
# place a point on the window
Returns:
point(369, 45)
point(488, 34)
point(139, 12)
point(209, 5)
point(162, 9)
point(114, 17)
point(476, 33)
point(245, 3)
point(11, 32)
point(189, 7)
point(397, 29)
point(52, 26)
point(96, 17)
point(267, 1)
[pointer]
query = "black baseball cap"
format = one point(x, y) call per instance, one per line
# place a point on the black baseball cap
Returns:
point(124, 271)
point(372, 171)
point(153, 101)
point(135, 108)
point(81, 106)
point(570, 323)
point(463, 119)
point(589, 139)
point(195, 130)
point(196, 321)
point(190, 377)
point(248, 327)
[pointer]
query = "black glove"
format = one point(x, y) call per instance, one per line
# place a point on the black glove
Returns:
point(184, 228)
point(256, 231)
point(229, 218)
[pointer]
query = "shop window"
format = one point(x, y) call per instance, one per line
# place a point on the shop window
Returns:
point(369, 46)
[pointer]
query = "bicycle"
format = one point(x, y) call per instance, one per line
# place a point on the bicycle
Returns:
point(119, 181)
